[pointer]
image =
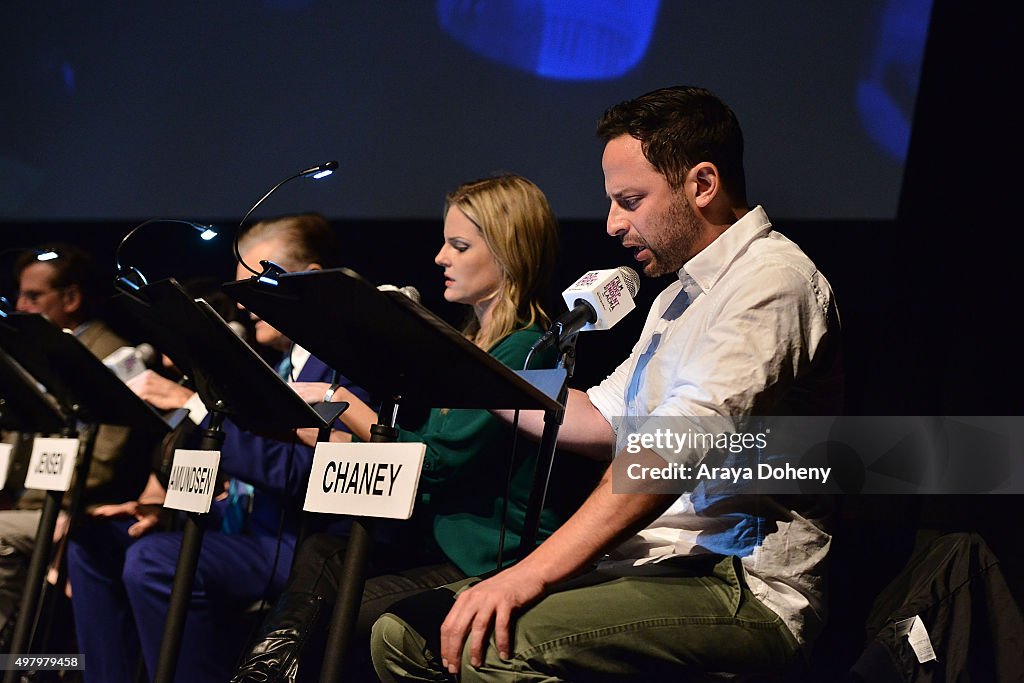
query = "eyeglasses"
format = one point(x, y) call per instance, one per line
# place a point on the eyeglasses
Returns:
point(34, 296)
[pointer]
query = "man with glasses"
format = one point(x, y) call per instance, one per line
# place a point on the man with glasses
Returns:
point(63, 289)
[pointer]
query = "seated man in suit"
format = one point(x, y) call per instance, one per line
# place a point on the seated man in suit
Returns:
point(122, 569)
point(63, 289)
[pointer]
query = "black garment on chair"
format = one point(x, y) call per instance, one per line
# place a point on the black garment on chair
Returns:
point(955, 586)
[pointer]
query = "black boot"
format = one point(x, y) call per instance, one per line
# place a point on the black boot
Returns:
point(293, 629)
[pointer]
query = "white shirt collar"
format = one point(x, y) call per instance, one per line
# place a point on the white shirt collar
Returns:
point(299, 357)
point(707, 267)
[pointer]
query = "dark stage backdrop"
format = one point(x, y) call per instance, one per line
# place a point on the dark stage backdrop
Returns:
point(126, 111)
point(120, 113)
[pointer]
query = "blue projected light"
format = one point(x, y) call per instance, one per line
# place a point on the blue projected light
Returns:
point(885, 97)
point(576, 40)
point(67, 73)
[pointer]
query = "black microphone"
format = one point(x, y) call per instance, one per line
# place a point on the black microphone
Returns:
point(596, 301)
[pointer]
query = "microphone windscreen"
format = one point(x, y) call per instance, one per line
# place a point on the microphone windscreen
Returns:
point(147, 354)
point(630, 279)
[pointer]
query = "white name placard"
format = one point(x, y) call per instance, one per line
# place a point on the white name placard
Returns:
point(365, 479)
point(192, 483)
point(52, 463)
point(5, 462)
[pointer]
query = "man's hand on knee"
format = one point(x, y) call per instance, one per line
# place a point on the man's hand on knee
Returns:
point(477, 609)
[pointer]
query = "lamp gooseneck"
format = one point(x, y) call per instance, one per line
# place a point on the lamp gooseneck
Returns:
point(315, 172)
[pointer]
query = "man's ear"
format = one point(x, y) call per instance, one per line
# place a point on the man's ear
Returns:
point(71, 299)
point(708, 183)
point(314, 266)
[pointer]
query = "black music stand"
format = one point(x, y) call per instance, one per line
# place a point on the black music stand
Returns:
point(24, 406)
point(87, 391)
point(233, 381)
point(76, 378)
point(27, 410)
point(391, 346)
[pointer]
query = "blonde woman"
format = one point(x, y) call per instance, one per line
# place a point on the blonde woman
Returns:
point(500, 245)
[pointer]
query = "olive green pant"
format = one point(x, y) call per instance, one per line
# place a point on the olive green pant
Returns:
point(642, 627)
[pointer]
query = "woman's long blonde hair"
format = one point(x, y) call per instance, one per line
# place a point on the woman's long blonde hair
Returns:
point(519, 228)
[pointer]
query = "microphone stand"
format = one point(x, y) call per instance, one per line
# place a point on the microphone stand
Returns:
point(357, 556)
point(546, 458)
point(185, 570)
point(25, 624)
point(306, 521)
